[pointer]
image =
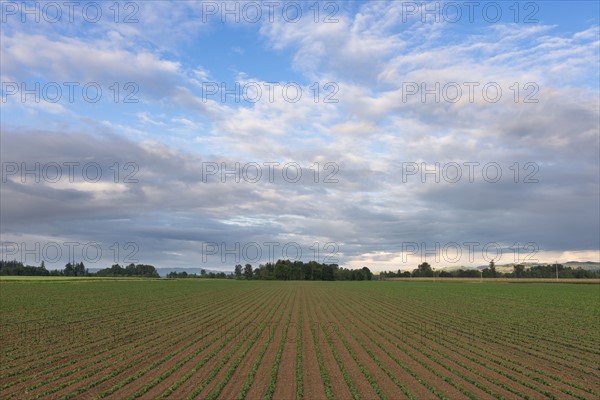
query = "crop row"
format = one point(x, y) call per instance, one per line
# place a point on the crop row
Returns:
point(359, 340)
point(386, 323)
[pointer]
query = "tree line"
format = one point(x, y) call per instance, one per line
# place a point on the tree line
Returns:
point(301, 271)
point(17, 268)
point(280, 270)
point(519, 271)
point(298, 270)
point(286, 270)
point(203, 274)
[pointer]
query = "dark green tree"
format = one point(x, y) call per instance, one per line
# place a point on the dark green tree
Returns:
point(493, 269)
point(69, 270)
point(307, 271)
point(79, 269)
point(282, 270)
point(518, 271)
point(423, 270)
point(248, 271)
point(367, 273)
point(327, 273)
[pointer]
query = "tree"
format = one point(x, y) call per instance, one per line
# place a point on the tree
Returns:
point(69, 270)
point(493, 269)
point(343, 274)
point(130, 269)
point(79, 269)
point(269, 270)
point(248, 271)
point(328, 274)
point(423, 270)
point(307, 272)
point(282, 271)
point(238, 271)
point(367, 273)
point(296, 270)
point(317, 270)
point(519, 270)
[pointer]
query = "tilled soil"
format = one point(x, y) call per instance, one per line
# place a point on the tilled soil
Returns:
point(370, 348)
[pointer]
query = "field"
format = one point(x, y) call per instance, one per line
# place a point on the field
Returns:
point(283, 340)
point(498, 280)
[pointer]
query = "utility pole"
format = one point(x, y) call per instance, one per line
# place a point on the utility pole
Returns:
point(556, 268)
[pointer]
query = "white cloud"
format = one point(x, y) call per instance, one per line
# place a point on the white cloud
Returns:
point(369, 133)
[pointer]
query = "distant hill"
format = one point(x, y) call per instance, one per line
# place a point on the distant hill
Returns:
point(583, 265)
point(457, 267)
point(587, 265)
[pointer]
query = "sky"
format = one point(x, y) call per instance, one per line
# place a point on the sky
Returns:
point(380, 133)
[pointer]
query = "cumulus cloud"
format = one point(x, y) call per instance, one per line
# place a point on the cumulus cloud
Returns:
point(375, 169)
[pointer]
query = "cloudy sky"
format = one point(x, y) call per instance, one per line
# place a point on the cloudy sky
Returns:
point(379, 133)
